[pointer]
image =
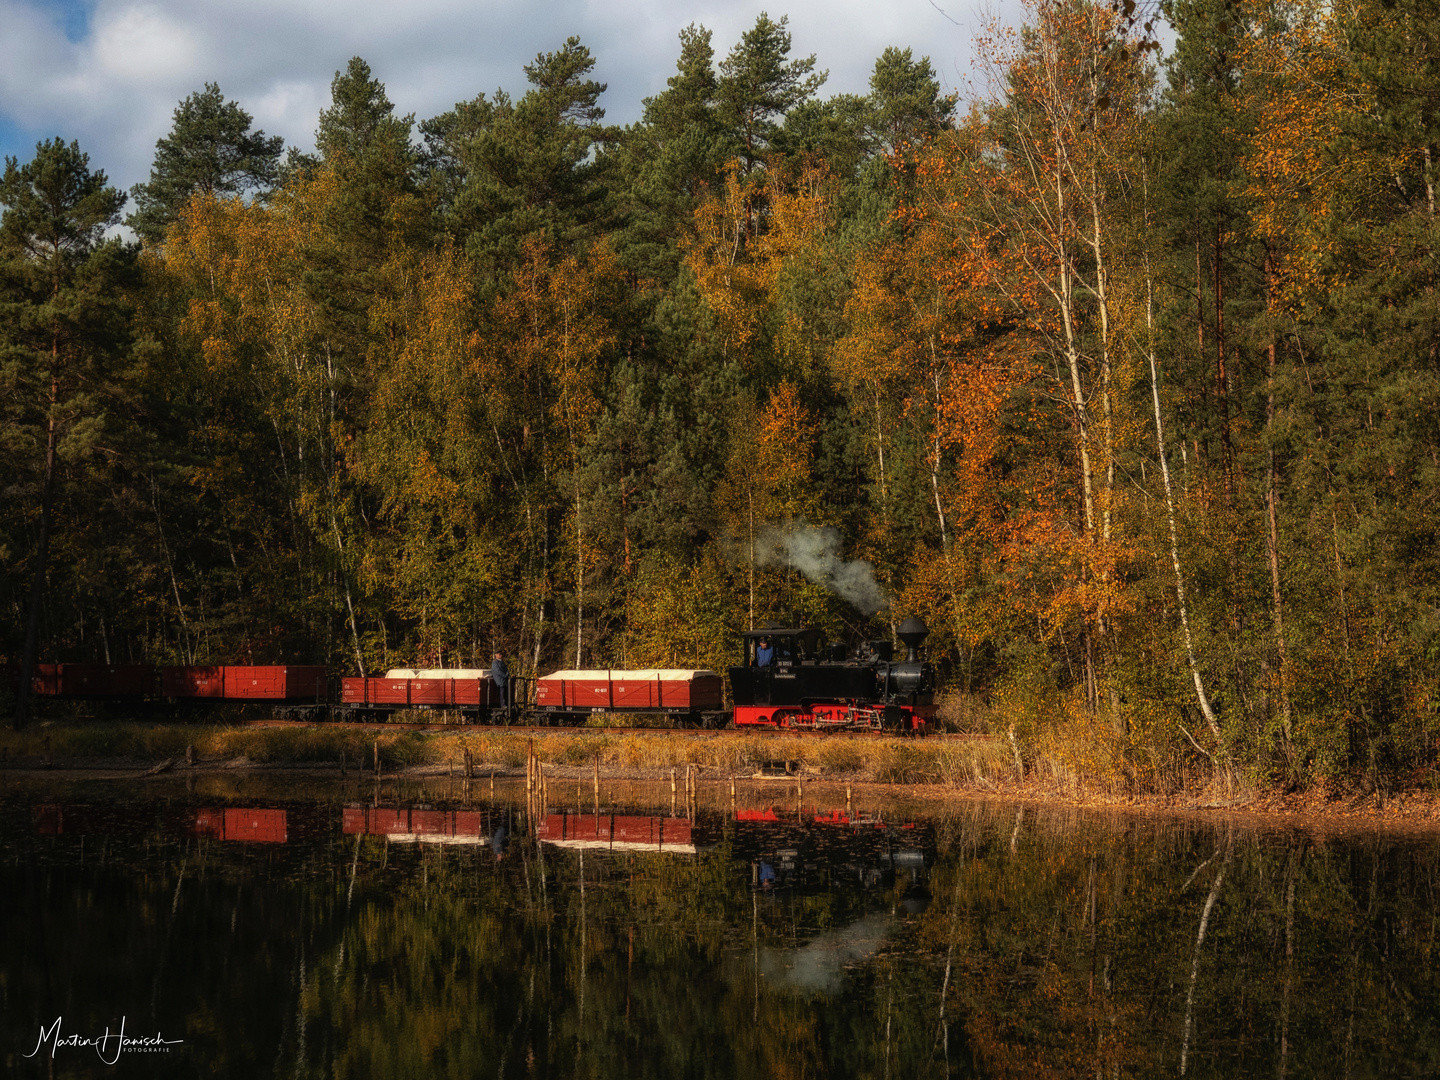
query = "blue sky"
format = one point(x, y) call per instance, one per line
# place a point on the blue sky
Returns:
point(109, 72)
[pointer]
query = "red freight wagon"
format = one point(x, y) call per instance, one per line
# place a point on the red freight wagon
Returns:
point(192, 682)
point(466, 689)
point(676, 691)
point(294, 683)
point(305, 683)
point(93, 680)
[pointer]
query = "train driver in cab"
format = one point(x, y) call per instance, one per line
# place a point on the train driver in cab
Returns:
point(764, 653)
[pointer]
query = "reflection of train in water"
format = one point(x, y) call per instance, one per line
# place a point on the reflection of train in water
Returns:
point(790, 678)
point(247, 824)
point(784, 849)
point(818, 850)
point(272, 824)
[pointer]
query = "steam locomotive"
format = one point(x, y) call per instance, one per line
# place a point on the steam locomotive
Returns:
point(790, 678)
point(808, 685)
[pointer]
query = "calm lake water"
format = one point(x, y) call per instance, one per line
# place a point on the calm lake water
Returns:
point(274, 927)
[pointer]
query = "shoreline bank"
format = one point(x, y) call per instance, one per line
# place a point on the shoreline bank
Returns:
point(1414, 810)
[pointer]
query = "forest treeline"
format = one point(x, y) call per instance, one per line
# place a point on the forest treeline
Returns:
point(1121, 373)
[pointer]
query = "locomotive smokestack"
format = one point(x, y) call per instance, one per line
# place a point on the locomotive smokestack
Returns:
point(911, 633)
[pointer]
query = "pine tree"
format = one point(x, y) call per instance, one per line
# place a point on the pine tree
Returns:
point(905, 99)
point(210, 150)
point(666, 162)
point(63, 324)
point(759, 86)
point(367, 150)
point(511, 170)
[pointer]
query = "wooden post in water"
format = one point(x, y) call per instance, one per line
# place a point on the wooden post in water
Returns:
point(848, 814)
point(377, 759)
point(672, 792)
point(734, 813)
point(597, 793)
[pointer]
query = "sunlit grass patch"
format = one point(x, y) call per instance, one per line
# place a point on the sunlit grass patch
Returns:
point(733, 753)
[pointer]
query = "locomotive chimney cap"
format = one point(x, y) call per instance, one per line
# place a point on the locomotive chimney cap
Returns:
point(912, 632)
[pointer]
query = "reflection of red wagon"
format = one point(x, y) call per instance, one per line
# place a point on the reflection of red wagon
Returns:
point(425, 826)
point(252, 824)
point(265, 825)
point(618, 832)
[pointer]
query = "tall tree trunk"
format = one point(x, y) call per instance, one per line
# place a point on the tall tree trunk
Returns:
point(935, 467)
point(579, 565)
point(1222, 380)
point(349, 602)
point(1199, 943)
point(1272, 536)
point(185, 640)
point(1200, 694)
point(880, 454)
point(42, 548)
point(1292, 873)
point(1102, 301)
point(1429, 183)
point(329, 464)
point(750, 497)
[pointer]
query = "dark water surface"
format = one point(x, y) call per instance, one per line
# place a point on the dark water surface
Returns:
point(275, 927)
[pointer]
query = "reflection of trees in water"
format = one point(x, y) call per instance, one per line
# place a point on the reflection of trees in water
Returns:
point(1053, 945)
point(1130, 947)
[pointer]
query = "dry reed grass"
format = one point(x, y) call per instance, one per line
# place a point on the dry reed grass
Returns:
point(894, 761)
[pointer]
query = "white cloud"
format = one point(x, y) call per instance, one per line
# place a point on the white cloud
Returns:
point(116, 88)
point(141, 45)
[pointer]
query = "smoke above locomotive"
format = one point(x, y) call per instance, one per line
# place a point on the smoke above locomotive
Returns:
point(814, 550)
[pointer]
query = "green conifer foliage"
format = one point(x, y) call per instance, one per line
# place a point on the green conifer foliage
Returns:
point(507, 170)
point(759, 86)
point(665, 162)
point(63, 327)
point(906, 100)
point(210, 150)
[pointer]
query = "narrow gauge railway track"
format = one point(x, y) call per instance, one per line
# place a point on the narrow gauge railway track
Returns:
point(565, 729)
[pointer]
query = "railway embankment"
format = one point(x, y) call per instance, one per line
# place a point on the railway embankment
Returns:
point(934, 767)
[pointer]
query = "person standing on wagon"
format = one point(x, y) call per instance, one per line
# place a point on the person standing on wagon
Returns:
point(500, 676)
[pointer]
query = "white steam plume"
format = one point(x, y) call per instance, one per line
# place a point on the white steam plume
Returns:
point(815, 552)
